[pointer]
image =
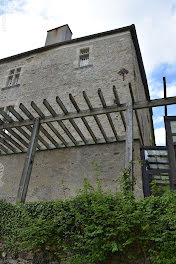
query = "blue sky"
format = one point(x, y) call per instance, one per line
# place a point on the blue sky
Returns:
point(169, 71)
point(23, 26)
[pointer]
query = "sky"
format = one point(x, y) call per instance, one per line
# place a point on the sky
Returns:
point(24, 23)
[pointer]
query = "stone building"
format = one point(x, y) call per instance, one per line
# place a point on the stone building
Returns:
point(65, 66)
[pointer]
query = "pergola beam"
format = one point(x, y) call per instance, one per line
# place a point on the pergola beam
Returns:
point(129, 142)
point(90, 142)
point(117, 100)
point(42, 129)
point(94, 112)
point(95, 117)
point(25, 178)
point(100, 94)
point(53, 129)
point(72, 122)
point(20, 118)
point(61, 124)
point(136, 114)
point(82, 118)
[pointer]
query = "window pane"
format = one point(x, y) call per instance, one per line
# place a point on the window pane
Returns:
point(16, 80)
point(84, 57)
point(84, 61)
point(12, 71)
point(84, 51)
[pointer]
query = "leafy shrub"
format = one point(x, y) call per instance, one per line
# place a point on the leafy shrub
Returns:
point(94, 227)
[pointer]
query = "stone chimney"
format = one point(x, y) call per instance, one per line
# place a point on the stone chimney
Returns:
point(58, 35)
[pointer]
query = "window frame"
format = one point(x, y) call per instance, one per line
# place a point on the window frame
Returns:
point(84, 57)
point(13, 77)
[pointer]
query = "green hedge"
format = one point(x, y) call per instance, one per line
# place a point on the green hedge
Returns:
point(93, 227)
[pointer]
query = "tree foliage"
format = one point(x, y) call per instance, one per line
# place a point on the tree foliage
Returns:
point(93, 227)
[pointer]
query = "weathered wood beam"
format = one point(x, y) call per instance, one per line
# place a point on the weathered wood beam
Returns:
point(129, 141)
point(19, 129)
point(11, 140)
point(82, 118)
point(96, 111)
point(100, 94)
point(136, 114)
point(165, 94)
point(3, 149)
point(61, 124)
point(26, 174)
point(20, 118)
point(9, 146)
point(53, 129)
point(145, 178)
point(80, 144)
point(72, 122)
point(95, 117)
point(42, 129)
point(118, 103)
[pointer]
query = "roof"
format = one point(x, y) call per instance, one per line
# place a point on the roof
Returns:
point(130, 28)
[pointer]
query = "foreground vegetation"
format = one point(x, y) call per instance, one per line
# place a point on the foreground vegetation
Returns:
point(93, 227)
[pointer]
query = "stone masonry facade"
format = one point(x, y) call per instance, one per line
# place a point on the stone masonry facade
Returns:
point(56, 71)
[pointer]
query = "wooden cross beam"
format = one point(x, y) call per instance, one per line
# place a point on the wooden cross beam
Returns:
point(94, 112)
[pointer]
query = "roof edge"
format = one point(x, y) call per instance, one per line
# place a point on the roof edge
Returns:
point(60, 27)
point(44, 48)
point(142, 71)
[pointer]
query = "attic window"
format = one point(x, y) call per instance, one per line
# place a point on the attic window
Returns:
point(14, 76)
point(84, 57)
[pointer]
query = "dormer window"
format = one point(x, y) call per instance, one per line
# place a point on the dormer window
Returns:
point(14, 76)
point(84, 57)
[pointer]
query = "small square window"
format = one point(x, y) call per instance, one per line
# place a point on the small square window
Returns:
point(14, 76)
point(84, 57)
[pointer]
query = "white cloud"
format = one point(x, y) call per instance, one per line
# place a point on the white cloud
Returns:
point(160, 136)
point(157, 90)
point(25, 23)
point(171, 90)
point(155, 87)
point(158, 119)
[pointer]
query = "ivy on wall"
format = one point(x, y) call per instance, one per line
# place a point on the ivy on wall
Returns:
point(94, 227)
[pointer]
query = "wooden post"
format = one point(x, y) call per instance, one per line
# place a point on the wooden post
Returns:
point(165, 95)
point(171, 154)
point(129, 140)
point(26, 174)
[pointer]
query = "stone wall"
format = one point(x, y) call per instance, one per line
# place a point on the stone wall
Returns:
point(59, 173)
point(57, 72)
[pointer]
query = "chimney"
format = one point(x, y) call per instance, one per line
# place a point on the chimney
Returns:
point(58, 35)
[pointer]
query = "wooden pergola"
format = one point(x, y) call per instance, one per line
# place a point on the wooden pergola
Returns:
point(28, 135)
